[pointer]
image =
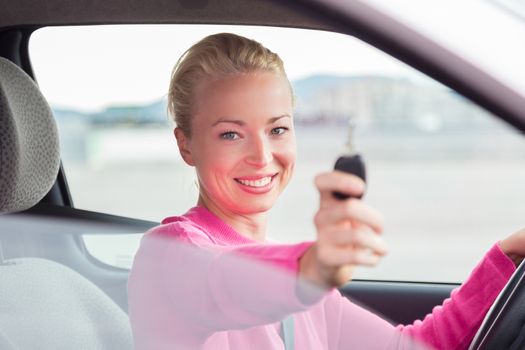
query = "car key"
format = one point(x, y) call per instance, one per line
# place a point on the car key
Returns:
point(351, 163)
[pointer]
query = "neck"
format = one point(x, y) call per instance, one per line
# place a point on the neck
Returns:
point(252, 226)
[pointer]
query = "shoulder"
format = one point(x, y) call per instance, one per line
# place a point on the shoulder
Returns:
point(169, 244)
point(181, 229)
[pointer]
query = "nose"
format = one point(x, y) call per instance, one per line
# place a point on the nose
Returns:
point(260, 153)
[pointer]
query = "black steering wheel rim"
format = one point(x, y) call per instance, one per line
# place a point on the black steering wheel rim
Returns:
point(504, 324)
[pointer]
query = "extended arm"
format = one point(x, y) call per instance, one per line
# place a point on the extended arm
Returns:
point(451, 325)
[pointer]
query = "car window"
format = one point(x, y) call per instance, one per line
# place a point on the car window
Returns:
point(492, 40)
point(445, 173)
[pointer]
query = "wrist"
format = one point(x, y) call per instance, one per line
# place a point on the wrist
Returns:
point(321, 275)
point(308, 268)
point(505, 247)
point(310, 284)
point(516, 259)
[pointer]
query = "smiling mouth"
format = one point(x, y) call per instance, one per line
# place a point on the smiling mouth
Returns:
point(264, 181)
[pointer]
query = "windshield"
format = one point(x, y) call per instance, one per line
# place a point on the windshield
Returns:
point(488, 34)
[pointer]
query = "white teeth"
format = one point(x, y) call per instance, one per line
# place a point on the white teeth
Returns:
point(256, 183)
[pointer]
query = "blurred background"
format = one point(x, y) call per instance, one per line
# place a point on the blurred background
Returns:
point(446, 175)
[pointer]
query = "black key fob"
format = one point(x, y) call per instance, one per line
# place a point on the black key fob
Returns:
point(350, 164)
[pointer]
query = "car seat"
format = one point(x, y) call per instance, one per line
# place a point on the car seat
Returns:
point(43, 304)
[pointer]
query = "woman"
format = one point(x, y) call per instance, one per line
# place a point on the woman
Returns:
point(233, 106)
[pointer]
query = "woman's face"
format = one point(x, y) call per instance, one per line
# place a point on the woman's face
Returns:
point(243, 141)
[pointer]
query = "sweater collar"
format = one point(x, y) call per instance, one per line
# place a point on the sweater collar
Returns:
point(212, 223)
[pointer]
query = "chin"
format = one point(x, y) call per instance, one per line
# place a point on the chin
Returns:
point(256, 207)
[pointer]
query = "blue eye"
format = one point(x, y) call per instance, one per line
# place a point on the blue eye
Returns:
point(229, 135)
point(279, 131)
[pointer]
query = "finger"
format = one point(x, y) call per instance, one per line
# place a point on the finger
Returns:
point(363, 238)
point(365, 258)
point(353, 210)
point(339, 181)
point(338, 257)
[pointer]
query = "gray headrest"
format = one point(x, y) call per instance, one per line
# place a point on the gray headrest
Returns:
point(29, 150)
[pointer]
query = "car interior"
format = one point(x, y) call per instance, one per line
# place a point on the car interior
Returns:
point(58, 295)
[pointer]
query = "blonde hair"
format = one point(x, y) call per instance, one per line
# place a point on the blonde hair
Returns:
point(215, 56)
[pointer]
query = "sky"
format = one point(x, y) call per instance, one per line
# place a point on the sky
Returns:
point(92, 67)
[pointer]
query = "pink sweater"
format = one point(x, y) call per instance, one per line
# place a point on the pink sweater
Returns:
point(198, 284)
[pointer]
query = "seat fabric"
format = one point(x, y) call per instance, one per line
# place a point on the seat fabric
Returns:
point(43, 304)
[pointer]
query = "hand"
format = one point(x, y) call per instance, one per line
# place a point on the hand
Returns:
point(514, 246)
point(348, 232)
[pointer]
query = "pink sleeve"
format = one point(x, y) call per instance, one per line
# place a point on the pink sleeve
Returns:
point(453, 324)
point(208, 288)
point(450, 326)
point(256, 284)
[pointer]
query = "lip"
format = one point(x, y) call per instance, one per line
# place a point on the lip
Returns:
point(257, 190)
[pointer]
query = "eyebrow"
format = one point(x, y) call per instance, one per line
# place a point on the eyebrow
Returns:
point(242, 123)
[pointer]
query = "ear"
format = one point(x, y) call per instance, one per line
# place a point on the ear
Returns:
point(183, 143)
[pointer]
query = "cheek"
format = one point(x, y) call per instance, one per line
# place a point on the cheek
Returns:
point(290, 158)
point(287, 154)
point(291, 149)
point(215, 160)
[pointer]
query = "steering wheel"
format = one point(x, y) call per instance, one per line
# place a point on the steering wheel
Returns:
point(504, 324)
